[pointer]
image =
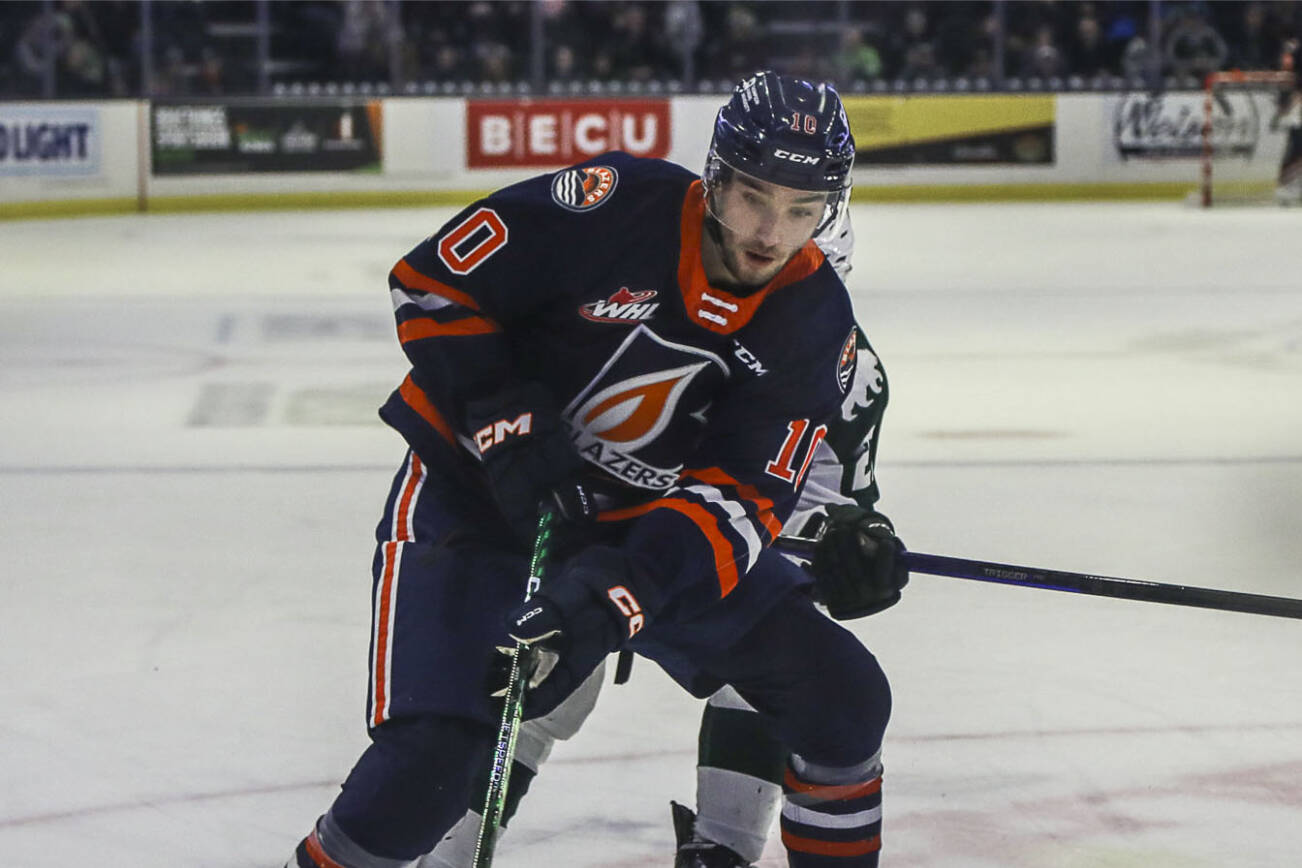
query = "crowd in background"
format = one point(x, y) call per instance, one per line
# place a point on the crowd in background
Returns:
point(81, 49)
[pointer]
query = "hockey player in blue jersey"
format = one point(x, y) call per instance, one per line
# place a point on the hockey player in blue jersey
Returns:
point(740, 761)
point(655, 357)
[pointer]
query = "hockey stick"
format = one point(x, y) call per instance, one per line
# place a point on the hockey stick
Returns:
point(1081, 583)
point(512, 706)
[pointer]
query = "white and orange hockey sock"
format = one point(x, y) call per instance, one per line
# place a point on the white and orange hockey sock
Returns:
point(832, 816)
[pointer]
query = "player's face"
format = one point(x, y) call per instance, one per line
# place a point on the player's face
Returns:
point(763, 225)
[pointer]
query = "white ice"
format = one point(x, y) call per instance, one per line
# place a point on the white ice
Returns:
point(191, 468)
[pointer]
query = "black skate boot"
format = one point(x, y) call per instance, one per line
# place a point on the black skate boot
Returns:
point(695, 853)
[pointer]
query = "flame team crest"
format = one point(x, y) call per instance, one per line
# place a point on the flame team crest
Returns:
point(584, 189)
point(638, 416)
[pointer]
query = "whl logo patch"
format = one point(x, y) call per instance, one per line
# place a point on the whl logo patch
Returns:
point(624, 306)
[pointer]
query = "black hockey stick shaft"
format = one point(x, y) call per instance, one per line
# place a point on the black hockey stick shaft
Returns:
point(1083, 583)
point(512, 707)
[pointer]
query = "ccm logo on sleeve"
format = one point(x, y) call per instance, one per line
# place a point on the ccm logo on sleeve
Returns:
point(491, 435)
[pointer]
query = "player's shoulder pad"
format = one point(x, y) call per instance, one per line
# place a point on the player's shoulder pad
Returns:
point(808, 328)
point(602, 186)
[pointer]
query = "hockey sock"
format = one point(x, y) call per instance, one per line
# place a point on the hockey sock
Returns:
point(738, 776)
point(832, 817)
point(328, 847)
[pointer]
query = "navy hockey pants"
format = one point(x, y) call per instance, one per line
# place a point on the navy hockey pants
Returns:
point(442, 587)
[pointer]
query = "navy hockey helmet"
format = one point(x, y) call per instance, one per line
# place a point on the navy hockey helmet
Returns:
point(785, 131)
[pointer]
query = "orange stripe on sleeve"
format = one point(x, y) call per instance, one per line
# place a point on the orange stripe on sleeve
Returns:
point(829, 792)
point(725, 561)
point(420, 402)
point(831, 848)
point(413, 279)
point(417, 329)
point(763, 506)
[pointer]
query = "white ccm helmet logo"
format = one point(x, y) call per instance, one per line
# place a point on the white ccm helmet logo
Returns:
point(802, 159)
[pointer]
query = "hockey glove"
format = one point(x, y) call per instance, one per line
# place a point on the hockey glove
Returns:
point(857, 566)
point(528, 458)
point(584, 613)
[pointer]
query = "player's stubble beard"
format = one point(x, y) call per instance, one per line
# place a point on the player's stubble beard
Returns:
point(722, 246)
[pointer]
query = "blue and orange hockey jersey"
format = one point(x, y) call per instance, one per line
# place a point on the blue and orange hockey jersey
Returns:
point(699, 411)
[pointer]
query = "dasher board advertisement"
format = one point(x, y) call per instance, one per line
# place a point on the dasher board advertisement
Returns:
point(953, 130)
point(547, 133)
point(50, 140)
point(216, 138)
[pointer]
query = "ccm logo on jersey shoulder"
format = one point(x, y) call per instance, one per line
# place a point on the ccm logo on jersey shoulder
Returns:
point(749, 359)
point(584, 189)
point(623, 306)
point(497, 432)
point(802, 159)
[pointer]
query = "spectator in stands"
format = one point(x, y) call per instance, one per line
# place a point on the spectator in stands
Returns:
point(362, 48)
point(858, 59)
point(1137, 59)
point(638, 52)
point(909, 47)
point(81, 66)
point(1089, 55)
point(1253, 32)
point(920, 63)
point(959, 35)
point(1191, 46)
point(42, 41)
point(1043, 58)
point(212, 73)
point(733, 44)
point(683, 29)
point(449, 64)
point(172, 76)
point(564, 65)
point(82, 71)
point(981, 64)
point(496, 62)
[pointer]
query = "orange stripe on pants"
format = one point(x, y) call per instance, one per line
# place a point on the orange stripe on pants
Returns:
point(383, 631)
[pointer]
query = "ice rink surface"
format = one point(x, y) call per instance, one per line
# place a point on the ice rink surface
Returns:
point(191, 469)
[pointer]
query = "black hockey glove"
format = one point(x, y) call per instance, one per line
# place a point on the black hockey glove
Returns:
point(529, 458)
point(584, 613)
point(857, 566)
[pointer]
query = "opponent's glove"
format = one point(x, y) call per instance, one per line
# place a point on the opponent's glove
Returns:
point(580, 616)
point(857, 566)
point(529, 458)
